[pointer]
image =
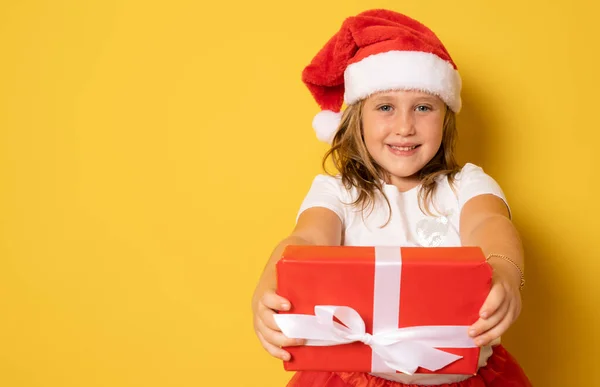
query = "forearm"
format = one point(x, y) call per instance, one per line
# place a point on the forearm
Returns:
point(496, 234)
point(316, 226)
point(268, 279)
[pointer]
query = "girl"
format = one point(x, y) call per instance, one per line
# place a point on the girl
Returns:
point(398, 184)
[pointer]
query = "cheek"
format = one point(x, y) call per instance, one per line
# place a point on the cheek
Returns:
point(373, 139)
point(435, 134)
point(370, 137)
point(439, 135)
point(374, 131)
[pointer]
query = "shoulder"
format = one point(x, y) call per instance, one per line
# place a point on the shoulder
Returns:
point(473, 174)
point(328, 192)
point(470, 170)
point(473, 181)
point(323, 182)
point(331, 179)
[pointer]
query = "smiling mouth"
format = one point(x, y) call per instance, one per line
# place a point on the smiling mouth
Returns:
point(404, 148)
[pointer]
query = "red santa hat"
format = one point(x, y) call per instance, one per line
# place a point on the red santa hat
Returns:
point(378, 50)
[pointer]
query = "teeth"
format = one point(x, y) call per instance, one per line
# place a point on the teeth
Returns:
point(404, 148)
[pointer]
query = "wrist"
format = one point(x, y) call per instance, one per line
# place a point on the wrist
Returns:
point(507, 268)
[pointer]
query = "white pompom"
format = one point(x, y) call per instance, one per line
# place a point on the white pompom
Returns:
point(325, 124)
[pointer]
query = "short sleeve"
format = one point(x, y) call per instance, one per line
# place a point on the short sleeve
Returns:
point(328, 192)
point(473, 181)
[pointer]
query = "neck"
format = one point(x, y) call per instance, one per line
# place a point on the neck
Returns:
point(404, 183)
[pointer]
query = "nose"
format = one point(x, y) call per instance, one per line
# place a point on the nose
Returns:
point(405, 124)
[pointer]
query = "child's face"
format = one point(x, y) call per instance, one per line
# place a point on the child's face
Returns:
point(403, 131)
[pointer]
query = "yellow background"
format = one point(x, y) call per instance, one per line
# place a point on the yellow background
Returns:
point(150, 159)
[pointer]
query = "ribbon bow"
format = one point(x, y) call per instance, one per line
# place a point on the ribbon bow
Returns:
point(402, 349)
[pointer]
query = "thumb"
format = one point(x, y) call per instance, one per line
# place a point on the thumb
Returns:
point(493, 301)
point(274, 301)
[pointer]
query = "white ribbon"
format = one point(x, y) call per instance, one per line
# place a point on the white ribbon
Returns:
point(401, 349)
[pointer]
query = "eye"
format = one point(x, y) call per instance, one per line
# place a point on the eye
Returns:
point(385, 108)
point(423, 108)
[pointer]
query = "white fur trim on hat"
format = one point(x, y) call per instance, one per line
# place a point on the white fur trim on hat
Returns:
point(403, 70)
point(325, 124)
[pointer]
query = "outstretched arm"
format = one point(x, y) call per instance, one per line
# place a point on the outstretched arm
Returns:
point(315, 226)
point(485, 222)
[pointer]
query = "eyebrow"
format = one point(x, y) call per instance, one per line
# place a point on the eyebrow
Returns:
point(388, 98)
point(428, 97)
point(383, 98)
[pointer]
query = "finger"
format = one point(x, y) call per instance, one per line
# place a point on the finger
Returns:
point(266, 316)
point(494, 333)
point(276, 338)
point(485, 324)
point(493, 301)
point(273, 301)
point(272, 349)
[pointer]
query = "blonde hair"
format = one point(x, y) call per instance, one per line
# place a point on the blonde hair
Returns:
point(357, 168)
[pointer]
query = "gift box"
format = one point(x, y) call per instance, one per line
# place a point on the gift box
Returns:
point(382, 309)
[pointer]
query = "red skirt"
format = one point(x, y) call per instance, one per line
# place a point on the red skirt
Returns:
point(502, 370)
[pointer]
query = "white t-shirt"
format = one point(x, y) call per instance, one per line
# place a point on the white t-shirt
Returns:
point(408, 226)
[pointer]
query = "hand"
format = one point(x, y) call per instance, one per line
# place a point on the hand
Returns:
point(269, 334)
point(501, 308)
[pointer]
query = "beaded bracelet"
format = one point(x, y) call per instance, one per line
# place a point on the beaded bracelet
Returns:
point(514, 264)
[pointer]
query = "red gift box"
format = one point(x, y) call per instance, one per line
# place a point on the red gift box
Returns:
point(432, 288)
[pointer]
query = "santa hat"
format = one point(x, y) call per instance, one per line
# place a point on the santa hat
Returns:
point(378, 50)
